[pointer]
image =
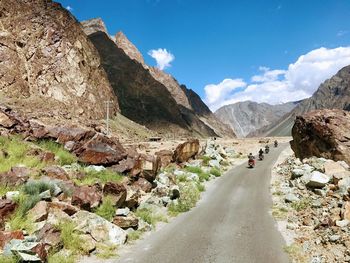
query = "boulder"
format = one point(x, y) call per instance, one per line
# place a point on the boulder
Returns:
point(317, 180)
point(133, 198)
point(322, 133)
point(47, 157)
point(100, 150)
point(143, 185)
point(63, 206)
point(125, 222)
point(290, 198)
point(6, 236)
point(87, 197)
point(125, 165)
point(332, 168)
point(150, 167)
point(296, 173)
point(27, 250)
point(57, 216)
point(7, 207)
point(50, 236)
point(165, 157)
point(186, 150)
point(15, 177)
point(39, 212)
point(89, 242)
point(55, 172)
point(99, 228)
point(122, 211)
point(12, 195)
point(117, 192)
point(6, 121)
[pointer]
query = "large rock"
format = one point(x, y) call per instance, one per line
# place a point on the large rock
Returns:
point(99, 228)
point(126, 221)
point(143, 185)
point(117, 192)
point(50, 236)
point(39, 212)
point(322, 133)
point(317, 180)
point(49, 67)
point(56, 172)
point(6, 236)
point(101, 150)
point(87, 197)
point(63, 206)
point(165, 156)
point(15, 177)
point(186, 150)
point(7, 207)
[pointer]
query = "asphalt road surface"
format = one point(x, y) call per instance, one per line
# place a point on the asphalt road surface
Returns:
point(230, 224)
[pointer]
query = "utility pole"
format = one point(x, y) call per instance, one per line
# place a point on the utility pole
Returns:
point(107, 115)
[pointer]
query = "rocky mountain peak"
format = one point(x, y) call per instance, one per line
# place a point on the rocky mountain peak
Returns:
point(94, 25)
point(129, 48)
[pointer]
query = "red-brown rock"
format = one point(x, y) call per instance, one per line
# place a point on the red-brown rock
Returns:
point(56, 172)
point(150, 167)
point(126, 221)
point(47, 157)
point(87, 197)
point(100, 150)
point(50, 236)
point(143, 185)
point(186, 150)
point(15, 177)
point(322, 133)
point(166, 157)
point(124, 165)
point(7, 207)
point(63, 206)
point(116, 191)
point(39, 212)
point(6, 236)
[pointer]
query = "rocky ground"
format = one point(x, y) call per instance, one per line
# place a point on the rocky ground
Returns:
point(68, 192)
point(312, 208)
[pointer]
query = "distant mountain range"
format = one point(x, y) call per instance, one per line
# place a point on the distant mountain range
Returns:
point(245, 118)
point(253, 119)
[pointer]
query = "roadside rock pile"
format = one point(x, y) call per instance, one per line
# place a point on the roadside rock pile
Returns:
point(314, 197)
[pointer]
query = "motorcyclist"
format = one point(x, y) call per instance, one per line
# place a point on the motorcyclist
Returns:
point(261, 152)
point(251, 159)
point(276, 143)
point(267, 149)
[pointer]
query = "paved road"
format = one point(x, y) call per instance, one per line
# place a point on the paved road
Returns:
point(230, 224)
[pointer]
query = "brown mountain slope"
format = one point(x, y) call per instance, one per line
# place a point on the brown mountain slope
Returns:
point(48, 67)
point(143, 92)
point(334, 93)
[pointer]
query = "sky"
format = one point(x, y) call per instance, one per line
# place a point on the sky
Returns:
point(227, 51)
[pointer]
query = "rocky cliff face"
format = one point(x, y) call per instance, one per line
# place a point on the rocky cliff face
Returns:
point(146, 95)
point(247, 117)
point(48, 66)
point(334, 93)
point(322, 133)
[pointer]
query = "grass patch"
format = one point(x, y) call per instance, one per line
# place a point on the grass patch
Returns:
point(4, 189)
point(279, 213)
point(106, 209)
point(203, 176)
point(103, 177)
point(37, 187)
point(189, 195)
point(225, 163)
point(106, 252)
point(205, 160)
point(181, 178)
point(60, 258)
point(301, 205)
point(16, 153)
point(70, 239)
point(8, 259)
point(135, 235)
point(149, 216)
point(215, 171)
point(296, 253)
point(200, 187)
point(64, 157)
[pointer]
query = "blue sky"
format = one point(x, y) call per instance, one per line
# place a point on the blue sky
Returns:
point(236, 40)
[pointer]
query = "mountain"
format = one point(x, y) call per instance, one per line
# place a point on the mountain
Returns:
point(146, 95)
point(247, 117)
point(334, 93)
point(48, 66)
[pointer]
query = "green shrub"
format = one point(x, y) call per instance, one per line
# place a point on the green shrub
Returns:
point(8, 259)
point(60, 258)
point(205, 159)
point(135, 235)
point(200, 187)
point(106, 252)
point(203, 176)
point(37, 187)
point(103, 177)
point(224, 163)
point(149, 216)
point(301, 205)
point(71, 240)
point(215, 171)
point(189, 195)
point(64, 157)
point(106, 209)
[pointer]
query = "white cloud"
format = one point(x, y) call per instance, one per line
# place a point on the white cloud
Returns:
point(299, 81)
point(162, 57)
point(69, 8)
point(342, 33)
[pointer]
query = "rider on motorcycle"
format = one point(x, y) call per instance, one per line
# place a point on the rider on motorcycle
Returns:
point(276, 143)
point(261, 153)
point(267, 149)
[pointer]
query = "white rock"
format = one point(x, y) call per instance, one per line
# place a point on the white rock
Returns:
point(122, 211)
point(317, 180)
point(12, 195)
point(342, 223)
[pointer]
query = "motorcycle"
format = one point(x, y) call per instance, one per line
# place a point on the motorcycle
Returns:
point(251, 163)
point(261, 157)
point(267, 150)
